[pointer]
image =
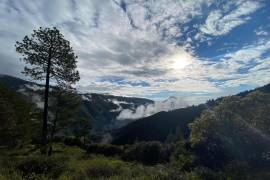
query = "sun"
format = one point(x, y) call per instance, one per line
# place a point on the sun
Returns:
point(180, 61)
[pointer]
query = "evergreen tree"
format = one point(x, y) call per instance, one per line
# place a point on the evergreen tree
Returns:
point(17, 118)
point(48, 55)
point(83, 127)
point(65, 106)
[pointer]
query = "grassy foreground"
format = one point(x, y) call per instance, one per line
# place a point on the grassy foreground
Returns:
point(72, 163)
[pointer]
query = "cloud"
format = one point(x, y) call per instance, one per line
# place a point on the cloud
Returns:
point(145, 72)
point(219, 22)
point(150, 109)
point(239, 67)
point(261, 31)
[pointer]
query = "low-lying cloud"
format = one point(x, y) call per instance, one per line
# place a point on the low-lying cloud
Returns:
point(150, 109)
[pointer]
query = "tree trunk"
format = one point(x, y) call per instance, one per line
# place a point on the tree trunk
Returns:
point(53, 131)
point(45, 112)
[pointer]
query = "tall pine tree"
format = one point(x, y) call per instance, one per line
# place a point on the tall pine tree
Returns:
point(48, 55)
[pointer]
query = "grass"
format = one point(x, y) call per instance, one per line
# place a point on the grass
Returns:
point(72, 163)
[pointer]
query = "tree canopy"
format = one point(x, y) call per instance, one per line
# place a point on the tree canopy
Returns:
point(17, 118)
point(48, 46)
point(237, 128)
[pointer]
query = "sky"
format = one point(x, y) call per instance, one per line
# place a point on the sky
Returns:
point(194, 50)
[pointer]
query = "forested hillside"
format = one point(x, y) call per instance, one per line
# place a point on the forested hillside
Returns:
point(158, 127)
point(229, 139)
point(162, 125)
point(103, 109)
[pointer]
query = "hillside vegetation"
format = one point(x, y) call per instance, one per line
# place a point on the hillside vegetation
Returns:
point(224, 139)
point(160, 126)
point(103, 109)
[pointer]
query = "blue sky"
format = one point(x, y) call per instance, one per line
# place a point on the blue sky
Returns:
point(195, 50)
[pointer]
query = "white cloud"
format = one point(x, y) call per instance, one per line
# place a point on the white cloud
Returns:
point(260, 31)
point(219, 22)
point(249, 58)
point(150, 109)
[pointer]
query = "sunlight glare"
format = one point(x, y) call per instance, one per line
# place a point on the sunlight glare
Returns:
point(180, 61)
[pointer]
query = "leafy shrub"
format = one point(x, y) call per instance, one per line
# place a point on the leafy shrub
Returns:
point(7, 174)
point(95, 167)
point(236, 170)
point(51, 167)
point(106, 150)
point(147, 153)
point(103, 170)
point(71, 141)
point(203, 173)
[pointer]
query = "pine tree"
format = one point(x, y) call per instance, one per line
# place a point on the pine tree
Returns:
point(83, 127)
point(17, 118)
point(66, 106)
point(48, 55)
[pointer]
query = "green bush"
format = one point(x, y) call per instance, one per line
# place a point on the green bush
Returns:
point(104, 170)
point(149, 153)
point(72, 141)
point(51, 167)
point(94, 167)
point(7, 174)
point(106, 150)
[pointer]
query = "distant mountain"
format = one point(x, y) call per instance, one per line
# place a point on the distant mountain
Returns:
point(117, 114)
point(13, 82)
point(103, 108)
point(158, 126)
point(106, 108)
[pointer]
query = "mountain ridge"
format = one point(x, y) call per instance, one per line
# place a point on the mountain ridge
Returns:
point(103, 108)
point(159, 126)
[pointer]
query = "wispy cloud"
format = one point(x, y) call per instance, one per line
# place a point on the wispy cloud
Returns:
point(220, 22)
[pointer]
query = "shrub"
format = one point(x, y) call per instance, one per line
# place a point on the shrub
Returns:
point(7, 174)
point(106, 150)
point(95, 167)
point(71, 141)
point(51, 167)
point(147, 153)
point(103, 170)
point(237, 170)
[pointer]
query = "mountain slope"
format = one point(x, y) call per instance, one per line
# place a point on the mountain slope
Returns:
point(105, 108)
point(102, 108)
point(158, 126)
